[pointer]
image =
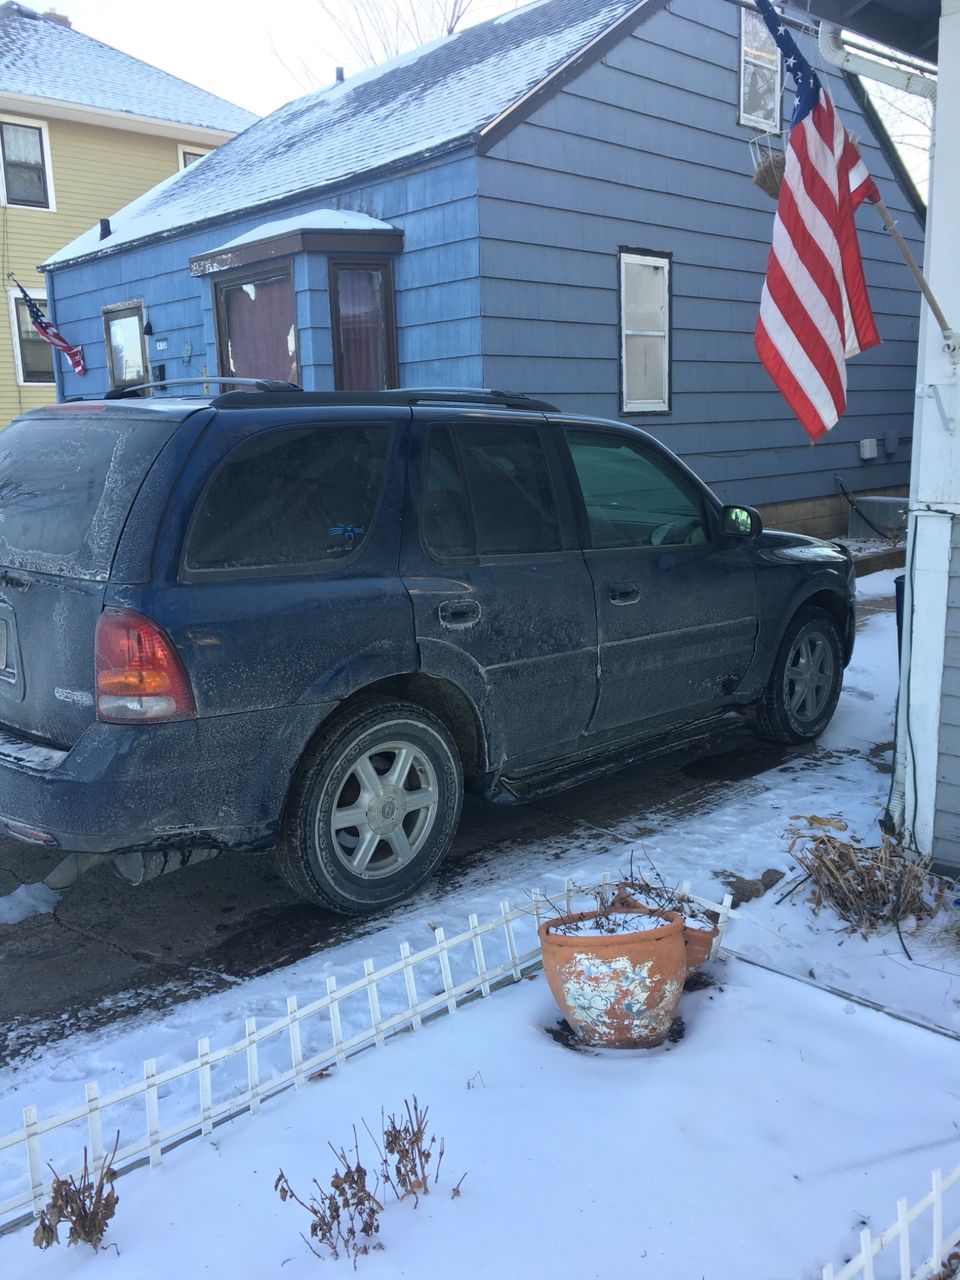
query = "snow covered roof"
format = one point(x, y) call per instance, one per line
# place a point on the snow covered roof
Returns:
point(438, 96)
point(321, 220)
point(41, 58)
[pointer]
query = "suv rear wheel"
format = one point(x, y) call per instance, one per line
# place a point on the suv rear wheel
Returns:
point(373, 810)
point(801, 697)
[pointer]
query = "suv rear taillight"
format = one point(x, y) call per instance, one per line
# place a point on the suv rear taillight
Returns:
point(139, 673)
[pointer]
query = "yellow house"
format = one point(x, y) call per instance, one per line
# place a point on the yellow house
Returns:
point(84, 129)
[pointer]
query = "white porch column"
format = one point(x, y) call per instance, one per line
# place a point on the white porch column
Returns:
point(935, 474)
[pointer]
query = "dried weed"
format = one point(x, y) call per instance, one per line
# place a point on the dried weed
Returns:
point(869, 886)
point(86, 1205)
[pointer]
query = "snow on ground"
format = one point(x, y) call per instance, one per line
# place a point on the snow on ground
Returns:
point(877, 585)
point(752, 1148)
point(27, 900)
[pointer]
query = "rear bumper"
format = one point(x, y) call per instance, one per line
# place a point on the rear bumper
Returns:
point(218, 781)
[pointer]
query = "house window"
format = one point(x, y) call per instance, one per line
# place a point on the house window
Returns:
point(25, 149)
point(364, 329)
point(256, 324)
point(33, 357)
point(759, 74)
point(190, 154)
point(126, 350)
point(645, 332)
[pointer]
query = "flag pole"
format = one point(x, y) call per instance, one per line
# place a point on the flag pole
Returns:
point(950, 336)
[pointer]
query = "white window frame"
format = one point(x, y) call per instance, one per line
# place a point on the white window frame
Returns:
point(662, 263)
point(758, 122)
point(183, 148)
point(51, 205)
point(13, 297)
point(109, 312)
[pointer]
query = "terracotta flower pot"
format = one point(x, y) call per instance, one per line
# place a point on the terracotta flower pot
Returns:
point(698, 940)
point(618, 990)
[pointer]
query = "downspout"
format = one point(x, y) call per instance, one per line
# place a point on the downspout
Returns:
point(839, 55)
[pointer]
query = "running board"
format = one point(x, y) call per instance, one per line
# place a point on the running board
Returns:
point(513, 789)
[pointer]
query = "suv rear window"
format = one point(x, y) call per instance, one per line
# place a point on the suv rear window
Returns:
point(289, 500)
point(67, 481)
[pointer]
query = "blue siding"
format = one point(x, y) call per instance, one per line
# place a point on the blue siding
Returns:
point(643, 150)
point(436, 279)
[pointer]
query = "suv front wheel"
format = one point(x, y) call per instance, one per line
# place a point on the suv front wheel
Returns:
point(373, 810)
point(805, 684)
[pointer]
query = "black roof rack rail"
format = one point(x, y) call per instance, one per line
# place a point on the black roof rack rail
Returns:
point(259, 384)
point(410, 396)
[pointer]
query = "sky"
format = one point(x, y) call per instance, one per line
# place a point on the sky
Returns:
point(258, 56)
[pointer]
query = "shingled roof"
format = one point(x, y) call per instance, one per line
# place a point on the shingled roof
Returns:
point(434, 99)
point(41, 58)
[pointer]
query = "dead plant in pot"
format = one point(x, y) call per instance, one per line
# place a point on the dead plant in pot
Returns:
point(617, 970)
point(700, 925)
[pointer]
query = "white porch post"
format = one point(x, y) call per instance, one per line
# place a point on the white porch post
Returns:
point(935, 474)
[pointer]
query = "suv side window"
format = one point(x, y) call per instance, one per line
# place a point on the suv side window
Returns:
point(633, 498)
point(487, 492)
point(289, 500)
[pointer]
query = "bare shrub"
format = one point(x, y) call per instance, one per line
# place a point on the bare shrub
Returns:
point(405, 1142)
point(347, 1216)
point(869, 887)
point(86, 1205)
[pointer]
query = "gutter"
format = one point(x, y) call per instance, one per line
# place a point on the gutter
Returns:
point(840, 55)
point(129, 121)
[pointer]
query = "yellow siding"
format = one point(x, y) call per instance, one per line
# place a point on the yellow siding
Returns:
point(95, 172)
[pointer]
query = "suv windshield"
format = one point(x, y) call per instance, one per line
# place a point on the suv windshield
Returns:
point(66, 485)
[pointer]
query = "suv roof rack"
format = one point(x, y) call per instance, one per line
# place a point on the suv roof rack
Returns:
point(259, 384)
point(282, 395)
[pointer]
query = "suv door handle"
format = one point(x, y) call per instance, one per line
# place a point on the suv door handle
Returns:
point(624, 592)
point(459, 613)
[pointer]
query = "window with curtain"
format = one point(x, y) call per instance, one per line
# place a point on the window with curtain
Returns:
point(34, 356)
point(759, 74)
point(364, 332)
point(645, 332)
point(25, 178)
point(256, 325)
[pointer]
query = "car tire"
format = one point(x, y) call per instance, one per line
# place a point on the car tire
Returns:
point(804, 686)
point(373, 809)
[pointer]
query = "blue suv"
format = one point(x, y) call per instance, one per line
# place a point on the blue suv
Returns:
point(298, 621)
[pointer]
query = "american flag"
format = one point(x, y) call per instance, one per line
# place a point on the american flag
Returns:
point(47, 331)
point(814, 310)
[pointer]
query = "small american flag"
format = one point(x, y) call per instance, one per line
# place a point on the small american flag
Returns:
point(47, 331)
point(814, 310)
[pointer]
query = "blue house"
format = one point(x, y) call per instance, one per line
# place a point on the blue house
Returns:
point(558, 202)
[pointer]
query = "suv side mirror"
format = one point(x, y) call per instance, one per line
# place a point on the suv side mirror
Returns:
point(740, 522)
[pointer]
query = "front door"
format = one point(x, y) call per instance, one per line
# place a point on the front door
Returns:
point(676, 603)
point(503, 601)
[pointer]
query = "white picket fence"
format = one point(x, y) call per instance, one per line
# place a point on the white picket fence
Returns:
point(240, 1076)
point(897, 1236)
point(220, 1094)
